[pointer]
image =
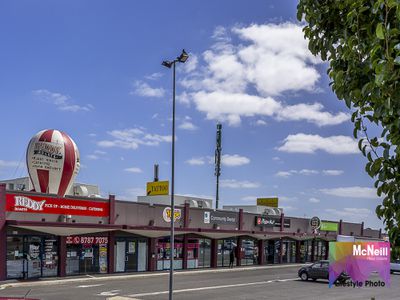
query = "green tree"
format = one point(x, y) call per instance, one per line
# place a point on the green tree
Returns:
point(361, 41)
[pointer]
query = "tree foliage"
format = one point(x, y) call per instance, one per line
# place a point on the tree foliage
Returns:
point(361, 41)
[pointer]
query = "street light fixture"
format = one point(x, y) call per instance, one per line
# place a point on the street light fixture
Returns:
point(167, 63)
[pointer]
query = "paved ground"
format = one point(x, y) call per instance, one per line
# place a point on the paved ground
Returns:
point(250, 283)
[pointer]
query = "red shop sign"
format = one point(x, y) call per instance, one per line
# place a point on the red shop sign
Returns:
point(58, 206)
point(87, 240)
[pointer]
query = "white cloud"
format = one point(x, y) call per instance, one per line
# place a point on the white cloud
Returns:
point(269, 60)
point(261, 123)
point(314, 200)
point(308, 172)
point(186, 125)
point(234, 160)
point(92, 157)
point(154, 76)
point(276, 158)
point(289, 173)
point(235, 184)
point(287, 199)
point(308, 143)
point(353, 214)
point(191, 64)
point(8, 164)
point(332, 172)
point(196, 161)
point(231, 107)
point(227, 160)
point(284, 174)
point(131, 138)
point(352, 192)
point(96, 155)
point(145, 90)
point(312, 113)
point(133, 170)
point(62, 102)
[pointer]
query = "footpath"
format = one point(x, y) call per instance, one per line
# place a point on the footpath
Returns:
point(119, 276)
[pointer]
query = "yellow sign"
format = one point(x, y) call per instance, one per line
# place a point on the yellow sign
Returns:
point(272, 201)
point(157, 188)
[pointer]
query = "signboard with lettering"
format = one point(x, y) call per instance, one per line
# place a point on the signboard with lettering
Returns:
point(58, 206)
point(167, 214)
point(272, 221)
point(270, 201)
point(329, 226)
point(157, 188)
point(89, 240)
point(216, 217)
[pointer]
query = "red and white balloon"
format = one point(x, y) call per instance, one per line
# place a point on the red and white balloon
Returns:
point(53, 162)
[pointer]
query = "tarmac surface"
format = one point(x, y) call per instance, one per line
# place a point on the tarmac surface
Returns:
point(274, 282)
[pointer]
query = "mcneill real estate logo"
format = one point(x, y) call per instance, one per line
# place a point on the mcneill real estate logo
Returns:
point(359, 260)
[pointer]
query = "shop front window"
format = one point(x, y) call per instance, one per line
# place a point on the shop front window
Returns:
point(164, 254)
point(32, 256)
point(204, 253)
point(85, 255)
point(131, 255)
point(15, 257)
point(249, 253)
point(224, 249)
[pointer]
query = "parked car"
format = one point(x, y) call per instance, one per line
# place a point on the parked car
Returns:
point(319, 270)
point(395, 266)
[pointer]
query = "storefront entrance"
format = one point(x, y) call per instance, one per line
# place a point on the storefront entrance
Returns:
point(86, 255)
point(164, 253)
point(31, 256)
point(225, 247)
point(130, 255)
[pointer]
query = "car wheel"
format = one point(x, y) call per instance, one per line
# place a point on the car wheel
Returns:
point(304, 276)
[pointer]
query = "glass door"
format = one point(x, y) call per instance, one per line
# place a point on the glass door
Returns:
point(131, 256)
point(33, 248)
point(120, 260)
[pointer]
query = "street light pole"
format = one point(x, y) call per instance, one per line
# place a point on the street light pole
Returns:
point(182, 58)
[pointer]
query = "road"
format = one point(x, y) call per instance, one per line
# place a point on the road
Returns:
point(253, 283)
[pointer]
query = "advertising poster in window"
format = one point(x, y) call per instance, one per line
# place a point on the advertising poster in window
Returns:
point(103, 258)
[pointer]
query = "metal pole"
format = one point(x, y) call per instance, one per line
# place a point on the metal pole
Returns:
point(172, 237)
point(218, 162)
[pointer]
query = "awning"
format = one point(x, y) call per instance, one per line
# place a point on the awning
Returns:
point(63, 229)
point(155, 233)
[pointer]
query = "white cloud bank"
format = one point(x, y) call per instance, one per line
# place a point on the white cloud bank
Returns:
point(352, 192)
point(270, 60)
point(131, 138)
point(309, 143)
point(228, 160)
point(62, 102)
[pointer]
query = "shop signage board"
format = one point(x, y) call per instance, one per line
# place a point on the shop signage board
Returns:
point(58, 206)
point(89, 240)
point(329, 226)
point(217, 217)
point(167, 214)
point(271, 221)
point(157, 188)
point(269, 201)
point(315, 223)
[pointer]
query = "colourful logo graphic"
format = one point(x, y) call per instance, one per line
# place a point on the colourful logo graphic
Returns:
point(359, 260)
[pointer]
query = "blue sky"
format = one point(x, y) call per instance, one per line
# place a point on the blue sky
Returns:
point(93, 69)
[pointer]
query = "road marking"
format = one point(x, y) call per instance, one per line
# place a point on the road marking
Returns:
point(109, 293)
point(58, 281)
point(90, 285)
point(212, 287)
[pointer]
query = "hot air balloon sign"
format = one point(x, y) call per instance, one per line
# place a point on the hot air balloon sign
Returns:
point(53, 162)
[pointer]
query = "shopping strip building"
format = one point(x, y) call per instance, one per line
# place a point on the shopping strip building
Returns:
point(44, 235)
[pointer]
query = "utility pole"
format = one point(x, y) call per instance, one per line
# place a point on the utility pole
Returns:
point(218, 161)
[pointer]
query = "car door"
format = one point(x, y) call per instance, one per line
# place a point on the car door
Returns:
point(324, 270)
point(314, 270)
